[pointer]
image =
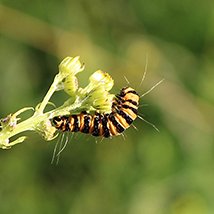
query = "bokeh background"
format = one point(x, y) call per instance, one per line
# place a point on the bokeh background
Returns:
point(149, 172)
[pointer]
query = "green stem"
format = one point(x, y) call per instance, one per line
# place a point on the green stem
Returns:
point(28, 124)
point(31, 123)
point(49, 94)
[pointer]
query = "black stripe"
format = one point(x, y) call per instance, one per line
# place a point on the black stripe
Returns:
point(64, 120)
point(86, 126)
point(96, 131)
point(132, 102)
point(67, 123)
point(122, 93)
point(121, 100)
point(76, 123)
point(129, 107)
point(56, 120)
point(115, 123)
point(125, 116)
point(105, 126)
point(119, 97)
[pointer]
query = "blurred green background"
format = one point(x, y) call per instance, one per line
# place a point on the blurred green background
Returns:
point(148, 172)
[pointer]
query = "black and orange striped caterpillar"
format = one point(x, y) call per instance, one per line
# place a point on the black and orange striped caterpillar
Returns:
point(123, 112)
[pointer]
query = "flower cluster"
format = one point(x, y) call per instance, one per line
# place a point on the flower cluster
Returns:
point(95, 97)
point(97, 92)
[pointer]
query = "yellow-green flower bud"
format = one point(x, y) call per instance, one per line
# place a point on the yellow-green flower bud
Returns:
point(70, 85)
point(96, 92)
point(102, 101)
point(70, 66)
point(101, 78)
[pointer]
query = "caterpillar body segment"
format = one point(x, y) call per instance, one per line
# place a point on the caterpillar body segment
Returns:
point(123, 112)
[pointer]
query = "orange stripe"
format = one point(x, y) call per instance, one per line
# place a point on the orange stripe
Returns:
point(121, 121)
point(112, 128)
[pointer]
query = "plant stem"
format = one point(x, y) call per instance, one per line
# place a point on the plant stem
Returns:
point(49, 94)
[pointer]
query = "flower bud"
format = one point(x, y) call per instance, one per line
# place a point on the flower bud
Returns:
point(70, 85)
point(101, 78)
point(70, 66)
point(96, 92)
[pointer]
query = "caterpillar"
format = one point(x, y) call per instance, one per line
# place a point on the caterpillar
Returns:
point(124, 111)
